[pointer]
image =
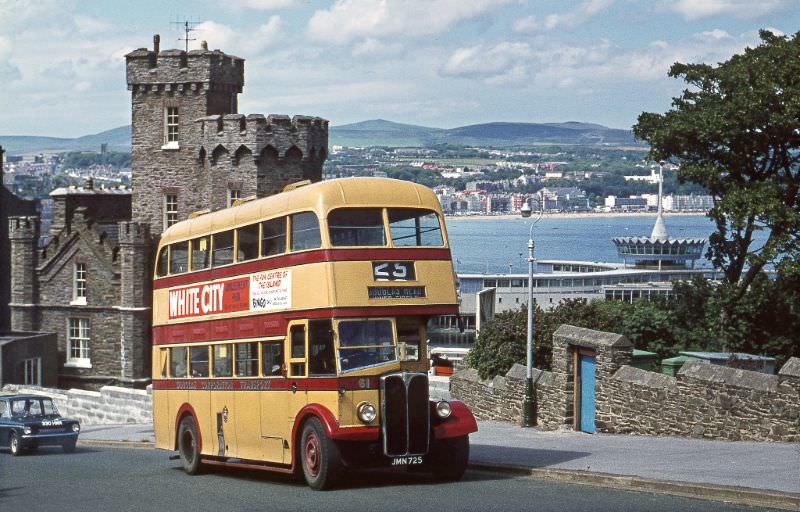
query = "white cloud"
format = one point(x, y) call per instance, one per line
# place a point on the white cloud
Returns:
point(580, 15)
point(372, 47)
point(258, 5)
point(502, 63)
point(744, 9)
point(716, 34)
point(348, 20)
point(526, 24)
point(238, 42)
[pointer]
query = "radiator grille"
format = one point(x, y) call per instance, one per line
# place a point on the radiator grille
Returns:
point(405, 414)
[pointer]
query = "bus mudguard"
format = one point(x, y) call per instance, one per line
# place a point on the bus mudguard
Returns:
point(188, 410)
point(460, 422)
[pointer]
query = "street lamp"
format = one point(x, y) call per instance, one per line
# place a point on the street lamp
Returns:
point(528, 403)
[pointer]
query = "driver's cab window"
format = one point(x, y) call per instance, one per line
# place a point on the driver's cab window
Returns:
point(297, 350)
point(320, 348)
point(4, 410)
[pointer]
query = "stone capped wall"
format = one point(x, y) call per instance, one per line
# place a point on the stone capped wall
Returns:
point(110, 405)
point(704, 400)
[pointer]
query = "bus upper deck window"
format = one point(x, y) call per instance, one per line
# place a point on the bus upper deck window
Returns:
point(409, 227)
point(201, 250)
point(223, 248)
point(247, 243)
point(163, 262)
point(356, 226)
point(179, 258)
point(305, 231)
point(273, 237)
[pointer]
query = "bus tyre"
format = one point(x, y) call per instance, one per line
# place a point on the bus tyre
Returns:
point(319, 456)
point(188, 446)
point(449, 458)
point(14, 445)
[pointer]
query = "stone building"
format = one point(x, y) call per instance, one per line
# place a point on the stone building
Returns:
point(191, 151)
point(10, 206)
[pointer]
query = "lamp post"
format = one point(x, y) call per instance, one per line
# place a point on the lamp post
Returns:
point(528, 402)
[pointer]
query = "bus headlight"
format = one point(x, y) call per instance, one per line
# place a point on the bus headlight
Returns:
point(26, 430)
point(366, 412)
point(76, 427)
point(443, 409)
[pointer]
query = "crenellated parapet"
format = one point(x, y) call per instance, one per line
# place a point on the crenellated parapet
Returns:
point(180, 71)
point(235, 135)
point(23, 228)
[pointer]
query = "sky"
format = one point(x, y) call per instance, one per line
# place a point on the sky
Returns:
point(441, 63)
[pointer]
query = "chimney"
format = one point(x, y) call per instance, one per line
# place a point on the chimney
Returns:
point(156, 44)
point(204, 45)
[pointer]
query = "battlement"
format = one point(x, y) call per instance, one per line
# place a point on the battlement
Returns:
point(257, 133)
point(23, 228)
point(133, 233)
point(177, 70)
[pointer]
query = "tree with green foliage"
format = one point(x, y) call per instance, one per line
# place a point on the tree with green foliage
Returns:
point(736, 131)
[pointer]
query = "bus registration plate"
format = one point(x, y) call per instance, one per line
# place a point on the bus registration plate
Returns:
point(412, 460)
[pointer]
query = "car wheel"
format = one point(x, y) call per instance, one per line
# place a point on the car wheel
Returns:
point(188, 446)
point(449, 458)
point(69, 446)
point(319, 456)
point(14, 445)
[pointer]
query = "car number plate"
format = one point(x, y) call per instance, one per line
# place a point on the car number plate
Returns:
point(407, 461)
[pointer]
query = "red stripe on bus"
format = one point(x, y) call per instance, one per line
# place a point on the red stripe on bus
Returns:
point(275, 324)
point(303, 258)
point(269, 384)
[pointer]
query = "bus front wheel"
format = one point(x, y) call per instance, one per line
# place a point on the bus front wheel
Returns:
point(449, 458)
point(319, 456)
point(188, 446)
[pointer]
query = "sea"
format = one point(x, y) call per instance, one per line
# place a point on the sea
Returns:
point(487, 245)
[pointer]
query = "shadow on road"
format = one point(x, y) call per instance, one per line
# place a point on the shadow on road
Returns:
point(528, 457)
point(380, 477)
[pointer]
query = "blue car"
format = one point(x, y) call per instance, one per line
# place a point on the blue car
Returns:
point(30, 421)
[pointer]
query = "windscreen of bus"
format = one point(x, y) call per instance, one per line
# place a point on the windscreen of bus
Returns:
point(412, 227)
point(364, 343)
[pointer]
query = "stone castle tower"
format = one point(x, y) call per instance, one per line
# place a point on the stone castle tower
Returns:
point(192, 151)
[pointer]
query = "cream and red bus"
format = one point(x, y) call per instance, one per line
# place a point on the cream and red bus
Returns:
point(289, 333)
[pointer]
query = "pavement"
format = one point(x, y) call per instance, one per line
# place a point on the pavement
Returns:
point(752, 473)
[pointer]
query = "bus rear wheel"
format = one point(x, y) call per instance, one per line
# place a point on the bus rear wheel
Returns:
point(188, 446)
point(449, 458)
point(319, 456)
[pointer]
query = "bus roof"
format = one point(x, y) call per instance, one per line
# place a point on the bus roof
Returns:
point(320, 197)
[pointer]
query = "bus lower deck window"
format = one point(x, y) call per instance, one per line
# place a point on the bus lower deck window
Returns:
point(223, 361)
point(247, 359)
point(271, 359)
point(177, 362)
point(198, 361)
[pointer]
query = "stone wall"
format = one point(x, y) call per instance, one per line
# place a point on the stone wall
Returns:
point(704, 400)
point(110, 405)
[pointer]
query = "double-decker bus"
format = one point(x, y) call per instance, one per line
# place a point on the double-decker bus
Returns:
point(289, 333)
